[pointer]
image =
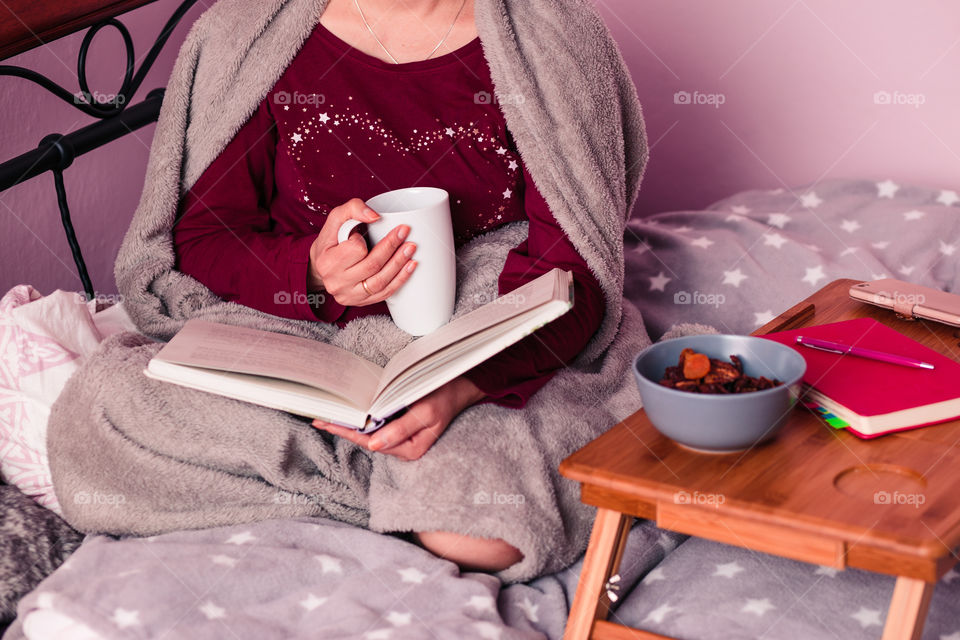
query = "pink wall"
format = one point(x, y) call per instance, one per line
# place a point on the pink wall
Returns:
point(797, 79)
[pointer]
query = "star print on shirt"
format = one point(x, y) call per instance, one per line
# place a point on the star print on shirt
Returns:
point(488, 630)
point(830, 572)
point(915, 214)
point(297, 138)
point(507, 193)
point(529, 610)
point(947, 249)
point(513, 166)
point(740, 210)
point(905, 270)
point(324, 118)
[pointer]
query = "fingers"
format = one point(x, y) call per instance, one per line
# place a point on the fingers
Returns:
point(355, 209)
point(346, 433)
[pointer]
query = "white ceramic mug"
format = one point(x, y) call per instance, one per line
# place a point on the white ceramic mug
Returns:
point(425, 302)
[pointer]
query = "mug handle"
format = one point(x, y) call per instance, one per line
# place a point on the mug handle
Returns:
point(345, 229)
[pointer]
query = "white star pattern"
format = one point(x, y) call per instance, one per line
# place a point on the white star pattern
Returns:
point(867, 617)
point(507, 194)
point(830, 572)
point(947, 249)
point(758, 607)
point(658, 614)
point(329, 564)
point(883, 244)
point(450, 132)
point(398, 619)
point(529, 610)
point(513, 166)
point(124, 618)
point(810, 200)
point(734, 217)
point(949, 576)
point(212, 611)
point(953, 636)
point(703, 242)
point(501, 151)
point(905, 270)
point(482, 603)
point(488, 630)
point(311, 602)
point(774, 240)
point(763, 317)
point(914, 214)
point(412, 575)
point(850, 226)
point(814, 275)
point(739, 209)
point(734, 277)
point(378, 634)
point(775, 192)
point(241, 538)
point(683, 229)
point(296, 138)
point(877, 276)
point(948, 198)
point(778, 220)
point(226, 561)
point(659, 282)
point(849, 251)
point(654, 575)
point(728, 570)
point(887, 189)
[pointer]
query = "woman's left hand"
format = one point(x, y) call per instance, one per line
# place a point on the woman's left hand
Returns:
point(412, 434)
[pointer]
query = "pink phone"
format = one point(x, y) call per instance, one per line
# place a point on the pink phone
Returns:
point(910, 301)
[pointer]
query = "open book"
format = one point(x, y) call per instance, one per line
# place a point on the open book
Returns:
point(318, 380)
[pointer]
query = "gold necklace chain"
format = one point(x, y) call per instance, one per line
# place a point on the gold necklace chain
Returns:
point(435, 49)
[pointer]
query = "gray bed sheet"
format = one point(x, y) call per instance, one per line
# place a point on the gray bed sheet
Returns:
point(733, 266)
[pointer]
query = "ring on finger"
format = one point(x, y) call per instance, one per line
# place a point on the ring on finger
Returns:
point(363, 283)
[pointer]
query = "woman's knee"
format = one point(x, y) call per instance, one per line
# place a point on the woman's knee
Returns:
point(471, 554)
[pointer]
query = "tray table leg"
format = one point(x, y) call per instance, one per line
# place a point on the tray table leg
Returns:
point(908, 609)
point(607, 540)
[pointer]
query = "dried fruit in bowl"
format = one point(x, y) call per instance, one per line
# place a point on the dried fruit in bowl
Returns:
point(697, 373)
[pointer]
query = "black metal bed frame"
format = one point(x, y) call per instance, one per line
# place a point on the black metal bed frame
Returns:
point(56, 152)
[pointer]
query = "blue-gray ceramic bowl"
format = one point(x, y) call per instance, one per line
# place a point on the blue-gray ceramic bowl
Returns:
point(720, 423)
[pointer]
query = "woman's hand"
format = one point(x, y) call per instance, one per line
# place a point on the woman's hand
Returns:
point(341, 269)
point(409, 436)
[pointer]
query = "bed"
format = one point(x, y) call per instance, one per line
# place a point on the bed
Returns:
point(731, 266)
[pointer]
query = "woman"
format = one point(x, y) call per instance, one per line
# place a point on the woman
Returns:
point(406, 101)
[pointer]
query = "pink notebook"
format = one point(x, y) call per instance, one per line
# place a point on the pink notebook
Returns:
point(874, 397)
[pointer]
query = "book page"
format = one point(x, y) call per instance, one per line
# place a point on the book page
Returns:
point(535, 293)
point(216, 346)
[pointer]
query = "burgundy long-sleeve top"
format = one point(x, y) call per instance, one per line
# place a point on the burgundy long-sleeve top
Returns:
point(341, 124)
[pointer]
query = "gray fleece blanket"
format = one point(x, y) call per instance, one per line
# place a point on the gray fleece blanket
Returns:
point(178, 459)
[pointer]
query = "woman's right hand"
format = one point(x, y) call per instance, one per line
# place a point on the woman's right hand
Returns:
point(341, 269)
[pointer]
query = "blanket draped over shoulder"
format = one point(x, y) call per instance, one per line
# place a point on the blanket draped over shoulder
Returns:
point(133, 456)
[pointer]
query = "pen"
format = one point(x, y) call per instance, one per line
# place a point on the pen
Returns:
point(845, 349)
